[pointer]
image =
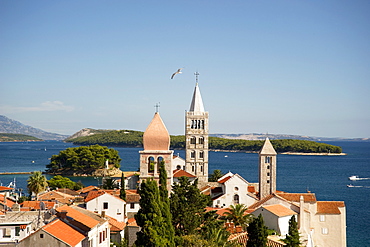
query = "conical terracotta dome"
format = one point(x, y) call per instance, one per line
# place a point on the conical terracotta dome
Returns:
point(156, 136)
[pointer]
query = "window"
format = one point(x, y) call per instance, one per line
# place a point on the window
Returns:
point(268, 181)
point(322, 218)
point(201, 155)
point(268, 167)
point(193, 140)
point(192, 155)
point(192, 168)
point(160, 160)
point(236, 199)
point(201, 140)
point(325, 231)
point(268, 174)
point(41, 235)
point(150, 164)
point(105, 205)
point(178, 167)
point(236, 188)
point(17, 231)
point(7, 233)
point(267, 159)
point(132, 205)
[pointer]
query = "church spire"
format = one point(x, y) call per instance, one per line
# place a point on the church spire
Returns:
point(197, 102)
point(267, 148)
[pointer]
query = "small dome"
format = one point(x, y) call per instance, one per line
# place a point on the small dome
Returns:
point(156, 136)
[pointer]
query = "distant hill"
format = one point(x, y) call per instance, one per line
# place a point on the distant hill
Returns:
point(258, 136)
point(7, 137)
point(8, 125)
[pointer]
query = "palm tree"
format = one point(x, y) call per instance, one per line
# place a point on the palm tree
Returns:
point(237, 214)
point(36, 183)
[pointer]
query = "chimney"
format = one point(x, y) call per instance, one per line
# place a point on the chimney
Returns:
point(63, 215)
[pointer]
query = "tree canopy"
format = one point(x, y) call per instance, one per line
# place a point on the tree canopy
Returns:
point(36, 183)
point(130, 138)
point(84, 159)
point(63, 182)
point(257, 233)
point(292, 238)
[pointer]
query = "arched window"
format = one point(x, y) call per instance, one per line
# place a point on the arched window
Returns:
point(198, 124)
point(192, 124)
point(151, 164)
point(202, 124)
point(178, 167)
point(201, 154)
point(192, 154)
point(193, 140)
point(267, 159)
point(201, 140)
point(160, 160)
point(236, 199)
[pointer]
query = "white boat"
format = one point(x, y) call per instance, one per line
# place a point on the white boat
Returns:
point(353, 178)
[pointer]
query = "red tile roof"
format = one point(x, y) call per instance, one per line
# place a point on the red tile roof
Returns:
point(64, 232)
point(224, 180)
point(325, 207)
point(279, 210)
point(87, 189)
point(93, 194)
point(181, 173)
point(295, 197)
point(35, 205)
point(8, 202)
point(115, 225)
point(3, 188)
point(78, 216)
point(131, 222)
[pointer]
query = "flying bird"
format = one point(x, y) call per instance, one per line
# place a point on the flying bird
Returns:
point(177, 72)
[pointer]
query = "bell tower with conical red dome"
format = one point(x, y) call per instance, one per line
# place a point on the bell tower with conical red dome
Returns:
point(156, 142)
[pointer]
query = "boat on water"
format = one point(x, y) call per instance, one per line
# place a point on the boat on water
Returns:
point(353, 186)
point(353, 178)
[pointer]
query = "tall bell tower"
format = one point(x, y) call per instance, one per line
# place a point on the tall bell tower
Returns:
point(267, 169)
point(196, 133)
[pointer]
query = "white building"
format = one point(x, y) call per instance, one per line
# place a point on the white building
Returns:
point(99, 201)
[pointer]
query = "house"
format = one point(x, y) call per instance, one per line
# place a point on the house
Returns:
point(37, 205)
point(99, 201)
point(178, 173)
point(132, 203)
point(232, 189)
point(56, 233)
point(320, 223)
point(116, 229)
point(56, 196)
point(276, 216)
point(93, 226)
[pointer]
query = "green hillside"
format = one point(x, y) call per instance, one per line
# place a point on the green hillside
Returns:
point(7, 137)
point(130, 138)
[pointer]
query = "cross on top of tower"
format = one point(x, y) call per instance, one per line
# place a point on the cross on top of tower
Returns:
point(196, 76)
point(157, 105)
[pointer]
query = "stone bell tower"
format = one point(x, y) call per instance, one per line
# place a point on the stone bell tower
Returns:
point(267, 169)
point(196, 133)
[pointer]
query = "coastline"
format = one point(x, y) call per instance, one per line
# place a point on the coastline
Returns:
point(286, 153)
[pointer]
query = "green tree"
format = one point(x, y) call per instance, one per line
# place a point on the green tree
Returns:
point(63, 182)
point(36, 183)
point(122, 191)
point(237, 214)
point(292, 238)
point(109, 184)
point(150, 217)
point(215, 175)
point(257, 233)
point(187, 207)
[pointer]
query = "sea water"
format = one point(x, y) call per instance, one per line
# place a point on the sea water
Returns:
point(326, 176)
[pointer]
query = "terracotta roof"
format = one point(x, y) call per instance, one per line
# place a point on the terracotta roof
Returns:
point(156, 136)
point(130, 198)
point(87, 189)
point(78, 216)
point(251, 189)
point(295, 197)
point(131, 222)
point(55, 195)
point(181, 173)
point(279, 210)
point(35, 205)
point(9, 202)
point(4, 188)
point(325, 207)
point(93, 194)
point(115, 225)
point(64, 232)
point(68, 191)
point(261, 202)
point(224, 180)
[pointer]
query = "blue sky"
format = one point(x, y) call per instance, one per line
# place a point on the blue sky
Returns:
point(282, 67)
